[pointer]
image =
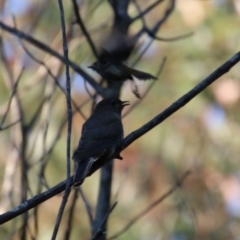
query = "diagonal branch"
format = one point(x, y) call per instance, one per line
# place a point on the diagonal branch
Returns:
point(69, 128)
point(101, 227)
point(33, 202)
point(151, 7)
point(49, 50)
point(36, 200)
point(40, 62)
point(14, 90)
point(182, 101)
point(151, 206)
point(84, 30)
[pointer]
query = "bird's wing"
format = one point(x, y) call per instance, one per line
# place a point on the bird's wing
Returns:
point(98, 134)
point(82, 171)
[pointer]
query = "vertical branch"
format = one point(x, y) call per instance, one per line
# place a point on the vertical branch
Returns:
point(69, 113)
point(104, 197)
point(104, 194)
point(19, 138)
point(121, 23)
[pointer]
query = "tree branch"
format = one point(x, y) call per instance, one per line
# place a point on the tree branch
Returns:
point(151, 206)
point(36, 200)
point(84, 30)
point(49, 50)
point(182, 101)
point(69, 129)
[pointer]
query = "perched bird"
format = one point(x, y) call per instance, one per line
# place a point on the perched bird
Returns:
point(113, 70)
point(101, 136)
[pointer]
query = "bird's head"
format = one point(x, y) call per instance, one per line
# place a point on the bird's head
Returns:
point(111, 104)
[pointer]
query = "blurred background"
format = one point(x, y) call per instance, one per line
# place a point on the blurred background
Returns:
point(203, 137)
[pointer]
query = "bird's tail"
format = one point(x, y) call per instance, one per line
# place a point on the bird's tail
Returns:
point(140, 75)
point(82, 171)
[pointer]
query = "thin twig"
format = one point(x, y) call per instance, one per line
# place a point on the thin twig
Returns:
point(69, 114)
point(164, 39)
point(88, 207)
point(33, 202)
point(151, 206)
point(101, 227)
point(147, 91)
point(146, 10)
point(14, 90)
point(52, 75)
point(71, 216)
point(84, 30)
point(157, 26)
point(182, 101)
point(50, 51)
point(10, 125)
point(165, 16)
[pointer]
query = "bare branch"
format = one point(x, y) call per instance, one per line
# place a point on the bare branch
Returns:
point(82, 27)
point(147, 91)
point(151, 206)
point(33, 202)
point(53, 77)
point(71, 216)
point(183, 100)
point(88, 207)
point(14, 90)
point(101, 228)
point(154, 30)
point(141, 15)
point(172, 39)
point(10, 125)
point(69, 129)
point(36, 200)
point(49, 50)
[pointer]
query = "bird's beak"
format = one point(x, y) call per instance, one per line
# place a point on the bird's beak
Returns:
point(90, 66)
point(125, 103)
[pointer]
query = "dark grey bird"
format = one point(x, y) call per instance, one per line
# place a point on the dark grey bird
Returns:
point(101, 135)
point(109, 68)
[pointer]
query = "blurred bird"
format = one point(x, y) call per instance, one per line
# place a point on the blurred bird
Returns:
point(119, 44)
point(101, 136)
point(113, 70)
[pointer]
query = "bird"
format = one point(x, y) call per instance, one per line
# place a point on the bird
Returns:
point(119, 43)
point(101, 136)
point(112, 69)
